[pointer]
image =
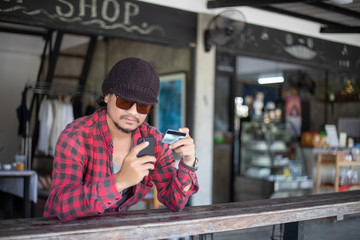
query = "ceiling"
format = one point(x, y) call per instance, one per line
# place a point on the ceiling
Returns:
point(336, 16)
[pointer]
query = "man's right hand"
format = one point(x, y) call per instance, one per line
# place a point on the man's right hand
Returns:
point(134, 169)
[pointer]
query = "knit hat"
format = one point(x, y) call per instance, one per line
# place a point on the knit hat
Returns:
point(134, 80)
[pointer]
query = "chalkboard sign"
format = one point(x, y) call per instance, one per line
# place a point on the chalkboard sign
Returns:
point(114, 18)
point(259, 41)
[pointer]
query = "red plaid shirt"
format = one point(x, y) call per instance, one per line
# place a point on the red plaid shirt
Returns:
point(83, 182)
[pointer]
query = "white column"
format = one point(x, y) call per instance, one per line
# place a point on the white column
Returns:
point(204, 115)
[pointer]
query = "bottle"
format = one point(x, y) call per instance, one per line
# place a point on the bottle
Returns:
point(323, 139)
point(316, 139)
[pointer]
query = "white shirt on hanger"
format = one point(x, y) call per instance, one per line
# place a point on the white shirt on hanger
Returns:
point(46, 118)
point(63, 115)
point(68, 114)
point(57, 125)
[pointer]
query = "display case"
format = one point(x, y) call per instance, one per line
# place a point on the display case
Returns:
point(271, 162)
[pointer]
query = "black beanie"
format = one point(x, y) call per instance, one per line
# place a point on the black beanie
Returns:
point(134, 80)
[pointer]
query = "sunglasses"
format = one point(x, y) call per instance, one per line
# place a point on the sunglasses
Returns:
point(126, 105)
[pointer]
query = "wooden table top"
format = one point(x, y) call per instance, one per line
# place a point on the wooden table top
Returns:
point(14, 173)
point(163, 223)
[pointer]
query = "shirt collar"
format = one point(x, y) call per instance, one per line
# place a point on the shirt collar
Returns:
point(104, 129)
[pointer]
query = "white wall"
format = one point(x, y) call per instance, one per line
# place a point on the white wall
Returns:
point(20, 59)
point(204, 116)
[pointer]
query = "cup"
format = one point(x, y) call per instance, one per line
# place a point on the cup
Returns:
point(20, 162)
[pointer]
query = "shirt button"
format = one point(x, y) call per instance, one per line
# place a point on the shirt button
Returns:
point(109, 202)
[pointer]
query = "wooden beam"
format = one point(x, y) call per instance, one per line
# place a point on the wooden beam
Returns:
point(250, 3)
point(298, 15)
point(333, 29)
point(24, 31)
point(335, 9)
point(200, 220)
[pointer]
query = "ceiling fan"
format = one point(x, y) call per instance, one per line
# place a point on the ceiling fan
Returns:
point(224, 27)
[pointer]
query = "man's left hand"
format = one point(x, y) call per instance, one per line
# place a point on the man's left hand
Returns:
point(185, 148)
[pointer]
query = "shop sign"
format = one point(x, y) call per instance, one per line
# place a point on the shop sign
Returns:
point(114, 18)
point(259, 41)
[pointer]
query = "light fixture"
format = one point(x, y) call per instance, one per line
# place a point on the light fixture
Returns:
point(270, 80)
point(341, 1)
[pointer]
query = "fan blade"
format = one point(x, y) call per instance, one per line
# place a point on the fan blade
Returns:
point(223, 22)
point(219, 37)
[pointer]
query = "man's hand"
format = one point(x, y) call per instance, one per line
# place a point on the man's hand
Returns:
point(185, 148)
point(134, 169)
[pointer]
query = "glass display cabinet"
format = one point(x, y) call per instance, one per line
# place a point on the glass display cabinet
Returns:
point(271, 162)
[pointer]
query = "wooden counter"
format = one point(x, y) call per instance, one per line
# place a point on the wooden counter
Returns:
point(162, 223)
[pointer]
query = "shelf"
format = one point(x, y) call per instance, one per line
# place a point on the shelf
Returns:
point(265, 165)
point(270, 161)
point(337, 161)
point(332, 161)
point(342, 188)
point(338, 101)
point(273, 140)
point(266, 150)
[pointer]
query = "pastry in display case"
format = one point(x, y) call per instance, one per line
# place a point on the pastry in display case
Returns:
point(271, 162)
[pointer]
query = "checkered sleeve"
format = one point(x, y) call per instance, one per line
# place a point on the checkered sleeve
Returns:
point(171, 182)
point(71, 195)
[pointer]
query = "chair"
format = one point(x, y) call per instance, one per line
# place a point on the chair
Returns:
point(151, 199)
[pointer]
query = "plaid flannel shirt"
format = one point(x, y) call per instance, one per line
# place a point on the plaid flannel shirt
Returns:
point(83, 182)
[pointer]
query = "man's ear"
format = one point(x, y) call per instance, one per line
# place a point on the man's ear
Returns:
point(106, 98)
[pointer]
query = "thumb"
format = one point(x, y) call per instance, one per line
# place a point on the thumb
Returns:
point(184, 130)
point(139, 147)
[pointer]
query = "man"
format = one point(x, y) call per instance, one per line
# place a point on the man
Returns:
point(96, 168)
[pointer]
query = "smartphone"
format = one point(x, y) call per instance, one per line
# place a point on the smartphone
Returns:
point(172, 136)
point(149, 150)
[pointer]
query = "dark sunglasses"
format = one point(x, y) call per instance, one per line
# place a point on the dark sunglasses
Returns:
point(126, 105)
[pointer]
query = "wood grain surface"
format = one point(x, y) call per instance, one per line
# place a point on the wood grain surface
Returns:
point(163, 223)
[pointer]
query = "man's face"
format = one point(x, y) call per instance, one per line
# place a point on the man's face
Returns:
point(124, 120)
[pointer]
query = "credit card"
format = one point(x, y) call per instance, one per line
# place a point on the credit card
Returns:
point(172, 136)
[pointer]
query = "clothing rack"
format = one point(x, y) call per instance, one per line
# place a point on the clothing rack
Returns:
point(57, 89)
point(41, 89)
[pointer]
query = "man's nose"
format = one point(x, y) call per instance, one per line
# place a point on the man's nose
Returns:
point(133, 109)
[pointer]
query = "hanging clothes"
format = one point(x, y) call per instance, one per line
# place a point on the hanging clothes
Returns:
point(63, 115)
point(57, 124)
point(54, 116)
point(23, 114)
point(46, 118)
point(68, 115)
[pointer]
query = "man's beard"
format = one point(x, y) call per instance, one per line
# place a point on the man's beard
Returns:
point(124, 129)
